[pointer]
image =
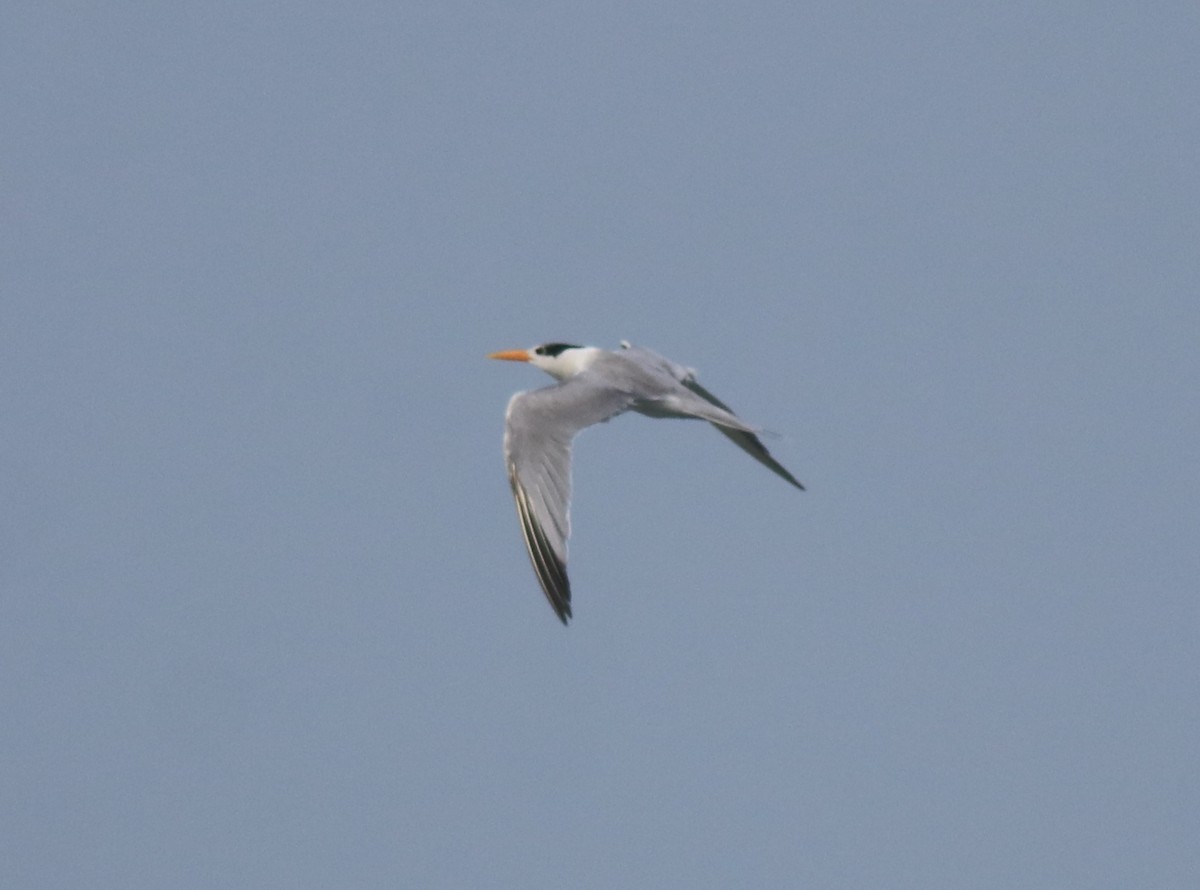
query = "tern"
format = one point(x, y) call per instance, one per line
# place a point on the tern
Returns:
point(594, 385)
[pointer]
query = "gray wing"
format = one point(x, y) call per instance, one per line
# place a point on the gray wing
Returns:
point(743, 439)
point(706, 407)
point(538, 429)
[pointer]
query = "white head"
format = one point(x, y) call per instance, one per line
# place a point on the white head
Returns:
point(560, 360)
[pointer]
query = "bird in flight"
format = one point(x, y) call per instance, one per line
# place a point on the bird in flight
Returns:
point(593, 386)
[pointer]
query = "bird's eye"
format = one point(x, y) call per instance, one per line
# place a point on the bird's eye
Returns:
point(541, 350)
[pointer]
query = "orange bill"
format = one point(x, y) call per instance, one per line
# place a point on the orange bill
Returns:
point(512, 355)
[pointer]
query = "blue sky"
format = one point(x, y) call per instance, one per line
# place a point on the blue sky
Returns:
point(266, 618)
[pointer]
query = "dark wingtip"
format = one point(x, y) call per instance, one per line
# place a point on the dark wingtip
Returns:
point(551, 571)
point(561, 602)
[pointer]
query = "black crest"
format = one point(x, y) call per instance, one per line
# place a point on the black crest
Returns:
point(554, 349)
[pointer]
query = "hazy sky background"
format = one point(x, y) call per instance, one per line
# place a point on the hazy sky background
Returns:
point(266, 619)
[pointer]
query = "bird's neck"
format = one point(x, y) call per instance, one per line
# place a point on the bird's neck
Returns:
point(571, 362)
